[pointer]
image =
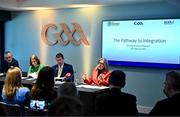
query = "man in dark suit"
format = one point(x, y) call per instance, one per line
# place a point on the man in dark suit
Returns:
point(171, 105)
point(62, 69)
point(9, 61)
point(114, 102)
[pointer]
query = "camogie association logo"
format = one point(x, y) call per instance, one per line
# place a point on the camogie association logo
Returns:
point(113, 23)
point(64, 31)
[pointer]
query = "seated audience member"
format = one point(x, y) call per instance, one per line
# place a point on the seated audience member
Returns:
point(67, 89)
point(35, 66)
point(100, 74)
point(13, 92)
point(62, 69)
point(2, 111)
point(114, 102)
point(9, 61)
point(171, 105)
point(65, 106)
point(43, 89)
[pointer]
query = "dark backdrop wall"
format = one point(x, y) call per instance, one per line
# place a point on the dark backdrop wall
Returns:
point(1, 43)
point(4, 16)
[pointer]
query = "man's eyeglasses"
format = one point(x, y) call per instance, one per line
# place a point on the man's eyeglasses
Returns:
point(8, 57)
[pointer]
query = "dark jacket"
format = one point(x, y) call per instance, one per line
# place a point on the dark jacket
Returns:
point(115, 103)
point(7, 65)
point(167, 107)
point(67, 68)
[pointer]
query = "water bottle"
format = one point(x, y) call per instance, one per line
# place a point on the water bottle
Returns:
point(76, 82)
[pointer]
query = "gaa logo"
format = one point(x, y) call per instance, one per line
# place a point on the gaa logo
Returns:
point(138, 23)
point(64, 30)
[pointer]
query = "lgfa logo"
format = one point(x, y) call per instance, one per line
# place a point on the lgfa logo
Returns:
point(64, 30)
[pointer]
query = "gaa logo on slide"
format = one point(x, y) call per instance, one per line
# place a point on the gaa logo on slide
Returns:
point(138, 23)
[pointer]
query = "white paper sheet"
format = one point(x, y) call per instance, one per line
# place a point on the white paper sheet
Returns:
point(1, 74)
point(58, 82)
point(24, 78)
point(92, 86)
point(59, 78)
point(34, 75)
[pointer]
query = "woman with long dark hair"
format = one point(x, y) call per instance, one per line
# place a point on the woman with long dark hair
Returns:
point(43, 89)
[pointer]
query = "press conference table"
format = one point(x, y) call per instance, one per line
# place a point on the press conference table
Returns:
point(87, 93)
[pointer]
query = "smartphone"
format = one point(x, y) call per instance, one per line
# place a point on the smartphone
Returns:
point(37, 104)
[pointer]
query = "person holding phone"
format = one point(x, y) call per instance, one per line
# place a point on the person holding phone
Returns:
point(100, 74)
point(44, 89)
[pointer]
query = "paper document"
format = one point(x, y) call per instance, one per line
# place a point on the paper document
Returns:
point(2, 74)
point(59, 78)
point(24, 78)
point(92, 86)
point(34, 75)
point(58, 82)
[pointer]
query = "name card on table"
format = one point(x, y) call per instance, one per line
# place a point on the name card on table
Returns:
point(2, 74)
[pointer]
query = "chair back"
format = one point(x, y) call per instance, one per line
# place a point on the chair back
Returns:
point(11, 109)
point(34, 112)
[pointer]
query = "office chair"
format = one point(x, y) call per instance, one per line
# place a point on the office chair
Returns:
point(24, 74)
point(11, 109)
point(34, 112)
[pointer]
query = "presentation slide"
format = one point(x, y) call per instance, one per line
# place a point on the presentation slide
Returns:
point(150, 43)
